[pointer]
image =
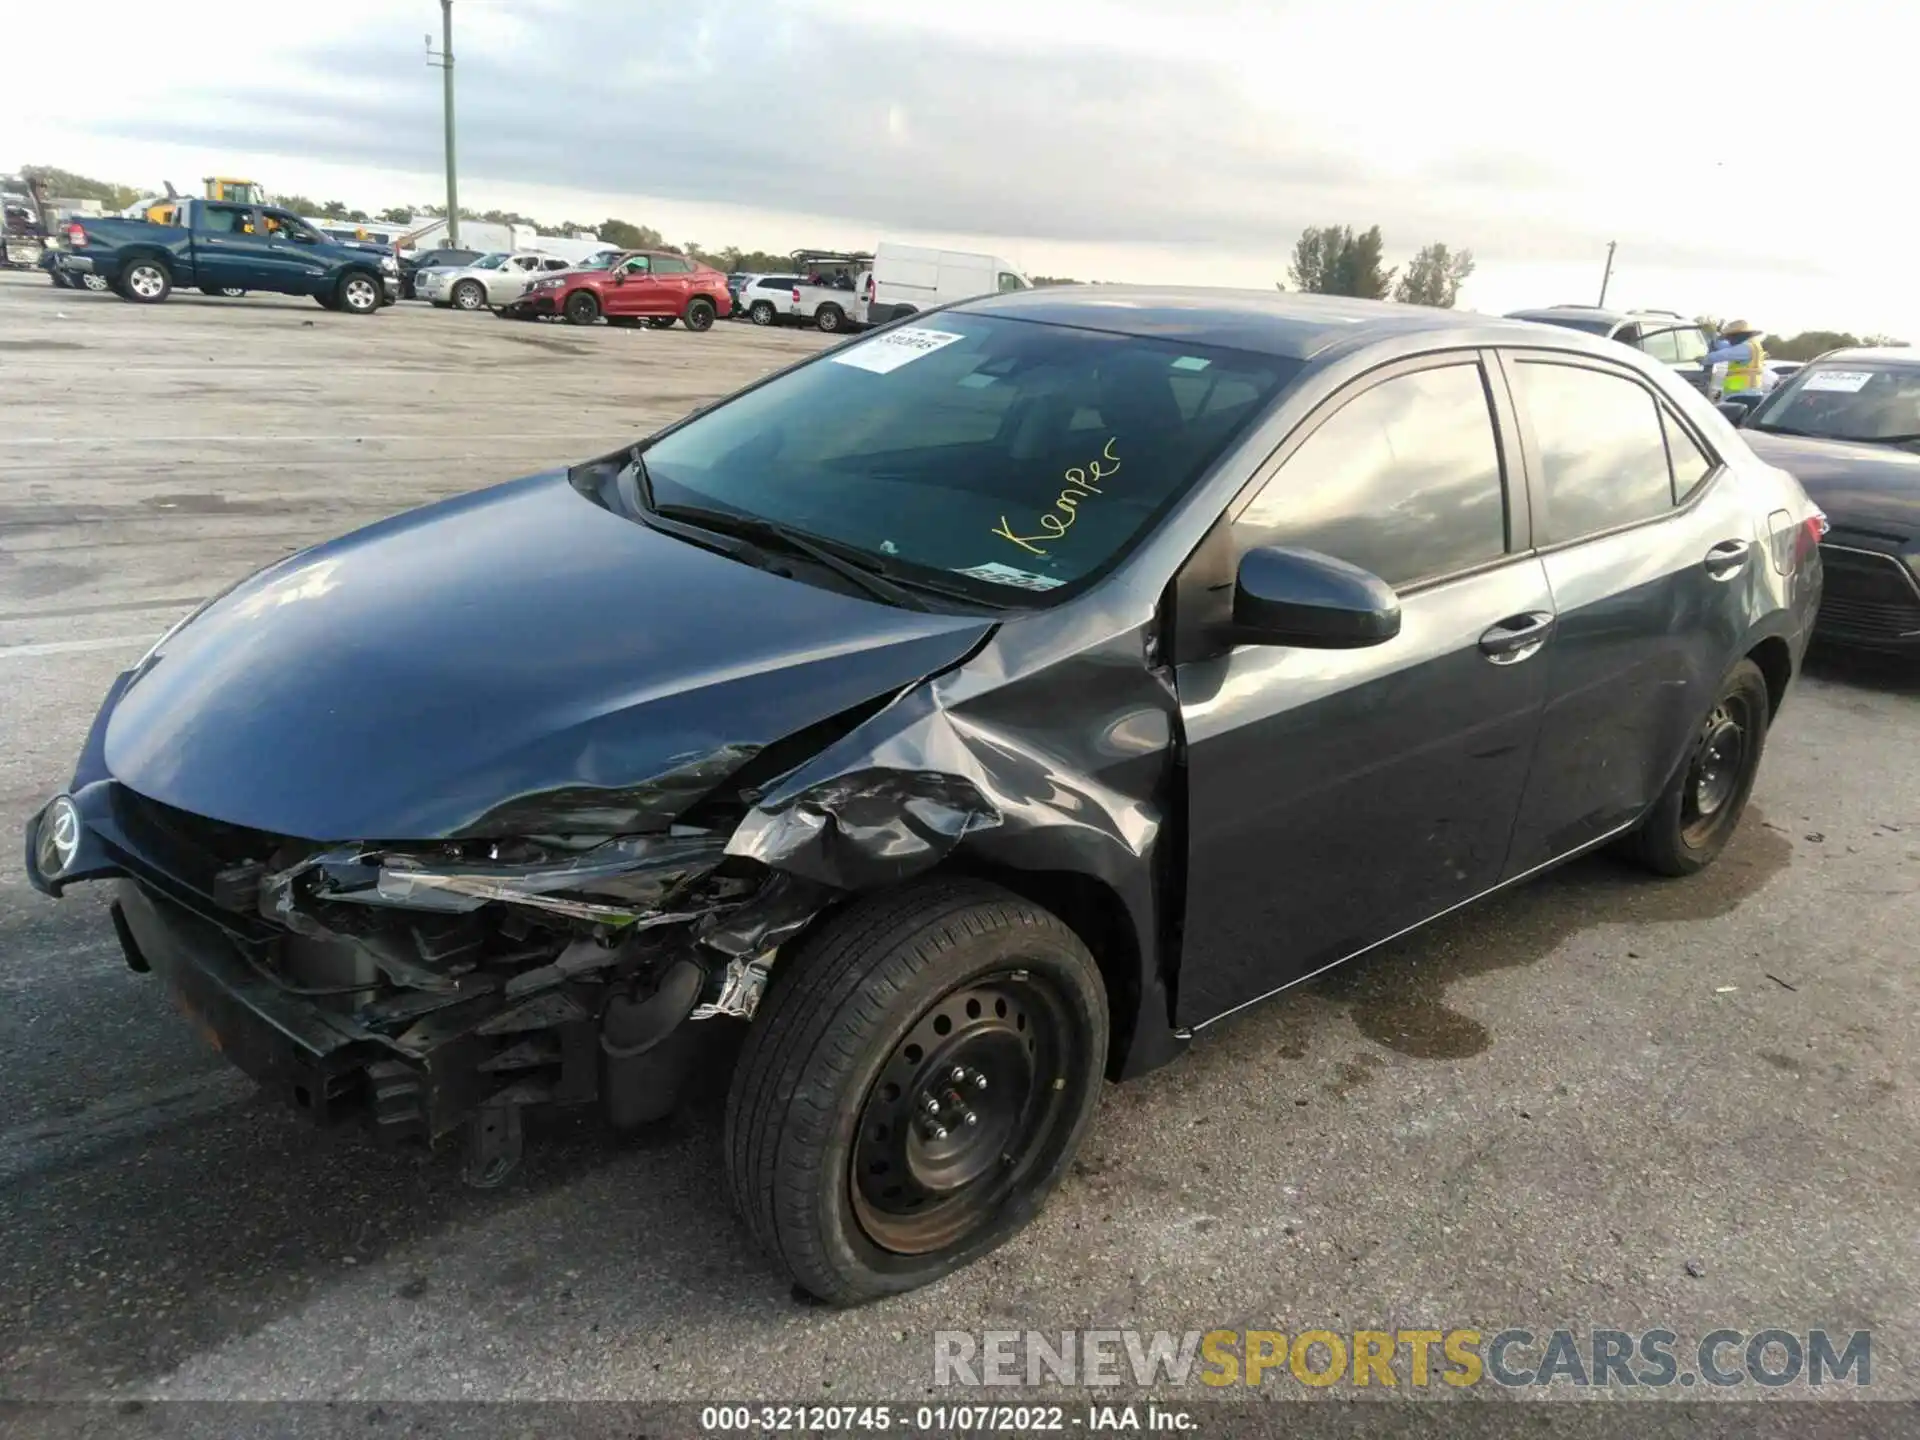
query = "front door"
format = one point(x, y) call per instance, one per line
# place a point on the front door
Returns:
point(1337, 797)
point(1622, 488)
point(673, 279)
point(633, 290)
point(292, 263)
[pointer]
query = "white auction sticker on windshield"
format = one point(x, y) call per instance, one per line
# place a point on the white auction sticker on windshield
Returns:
point(890, 351)
point(1851, 381)
point(998, 574)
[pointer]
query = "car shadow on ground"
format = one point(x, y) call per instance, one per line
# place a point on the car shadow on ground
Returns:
point(127, 1262)
point(1865, 669)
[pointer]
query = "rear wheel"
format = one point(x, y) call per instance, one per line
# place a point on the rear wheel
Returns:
point(582, 308)
point(916, 1081)
point(762, 312)
point(146, 282)
point(699, 314)
point(470, 295)
point(93, 282)
point(660, 322)
point(358, 294)
point(227, 292)
point(1700, 809)
point(831, 318)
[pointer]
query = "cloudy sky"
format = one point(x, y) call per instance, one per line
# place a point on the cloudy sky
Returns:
point(1750, 160)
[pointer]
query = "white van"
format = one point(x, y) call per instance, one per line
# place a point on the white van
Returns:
point(906, 279)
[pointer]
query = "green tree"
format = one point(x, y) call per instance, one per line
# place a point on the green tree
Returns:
point(1886, 340)
point(301, 205)
point(629, 236)
point(1040, 282)
point(1332, 260)
point(397, 215)
point(1434, 277)
point(1808, 344)
point(65, 185)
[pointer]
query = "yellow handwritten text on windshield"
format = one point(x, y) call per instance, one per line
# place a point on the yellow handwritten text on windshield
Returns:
point(1078, 484)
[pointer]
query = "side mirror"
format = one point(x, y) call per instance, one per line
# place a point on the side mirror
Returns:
point(1735, 411)
point(1284, 596)
point(620, 277)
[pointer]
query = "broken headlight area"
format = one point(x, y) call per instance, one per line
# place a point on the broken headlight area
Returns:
point(435, 986)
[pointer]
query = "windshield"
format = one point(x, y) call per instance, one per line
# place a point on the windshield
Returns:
point(995, 456)
point(490, 262)
point(1846, 401)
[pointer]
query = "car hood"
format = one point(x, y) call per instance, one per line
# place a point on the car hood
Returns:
point(486, 663)
point(1863, 487)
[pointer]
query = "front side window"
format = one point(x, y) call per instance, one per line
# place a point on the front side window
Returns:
point(637, 264)
point(1690, 344)
point(1598, 444)
point(1404, 480)
point(998, 457)
point(1009, 282)
point(1846, 400)
point(1661, 345)
point(490, 262)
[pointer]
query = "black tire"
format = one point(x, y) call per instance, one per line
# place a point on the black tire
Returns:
point(145, 282)
point(807, 1115)
point(468, 295)
point(357, 294)
point(699, 313)
point(830, 318)
point(582, 308)
point(660, 322)
point(1696, 815)
point(762, 312)
point(222, 292)
point(62, 280)
point(326, 301)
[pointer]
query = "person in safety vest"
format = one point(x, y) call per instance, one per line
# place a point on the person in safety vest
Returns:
point(1745, 362)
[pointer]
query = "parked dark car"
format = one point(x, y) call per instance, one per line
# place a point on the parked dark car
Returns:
point(1665, 335)
point(443, 259)
point(224, 248)
point(1848, 427)
point(969, 712)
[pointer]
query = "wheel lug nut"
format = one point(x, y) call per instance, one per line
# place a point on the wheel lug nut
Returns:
point(929, 1104)
point(938, 1132)
point(979, 1081)
point(972, 1119)
point(958, 1075)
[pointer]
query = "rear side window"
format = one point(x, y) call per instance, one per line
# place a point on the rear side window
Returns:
point(1690, 343)
point(1691, 464)
point(670, 265)
point(1661, 345)
point(1599, 446)
point(1404, 480)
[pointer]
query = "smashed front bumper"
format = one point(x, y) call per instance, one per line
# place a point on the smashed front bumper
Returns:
point(422, 997)
point(530, 307)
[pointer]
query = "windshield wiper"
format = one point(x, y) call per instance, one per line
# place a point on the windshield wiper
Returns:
point(1788, 430)
point(761, 532)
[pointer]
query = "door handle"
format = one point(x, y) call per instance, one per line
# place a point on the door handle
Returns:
point(1516, 638)
point(1727, 559)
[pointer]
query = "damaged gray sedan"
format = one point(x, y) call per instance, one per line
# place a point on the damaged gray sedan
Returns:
point(966, 714)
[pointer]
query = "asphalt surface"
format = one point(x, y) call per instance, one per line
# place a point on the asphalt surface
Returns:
point(1598, 1100)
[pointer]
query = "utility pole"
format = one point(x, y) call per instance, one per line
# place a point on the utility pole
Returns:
point(444, 59)
point(1606, 276)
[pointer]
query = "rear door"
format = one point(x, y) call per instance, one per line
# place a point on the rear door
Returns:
point(673, 284)
point(1337, 797)
point(1650, 554)
point(230, 247)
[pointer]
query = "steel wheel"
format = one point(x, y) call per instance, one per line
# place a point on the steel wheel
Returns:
point(957, 1113)
point(1715, 772)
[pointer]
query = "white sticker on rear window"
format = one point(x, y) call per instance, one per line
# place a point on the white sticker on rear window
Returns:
point(1191, 362)
point(998, 574)
point(894, 349)
point(1851, 381)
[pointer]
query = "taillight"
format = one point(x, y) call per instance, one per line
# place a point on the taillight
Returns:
point(869, 289)
point(76, 234)
point(1812, 531)
point(796, 294)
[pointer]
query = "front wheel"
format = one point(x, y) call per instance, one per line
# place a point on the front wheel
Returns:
point(915, 1082)
point(700, 313)
point(582, 308)
point(359, 295)
point(470, 295)
point(1697, 813)
point(146, 282)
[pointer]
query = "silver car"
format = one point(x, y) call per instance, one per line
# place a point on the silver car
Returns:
point(495, 279)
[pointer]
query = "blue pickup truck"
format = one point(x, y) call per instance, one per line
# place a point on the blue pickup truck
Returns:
point(219, 247)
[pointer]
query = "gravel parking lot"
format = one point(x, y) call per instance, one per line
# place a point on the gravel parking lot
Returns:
point(1599, 1100)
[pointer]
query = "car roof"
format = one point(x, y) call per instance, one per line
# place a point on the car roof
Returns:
point(1277, 323)
point(1876, 354)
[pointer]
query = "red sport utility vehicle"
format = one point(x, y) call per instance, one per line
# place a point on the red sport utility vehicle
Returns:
point(634, 285)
